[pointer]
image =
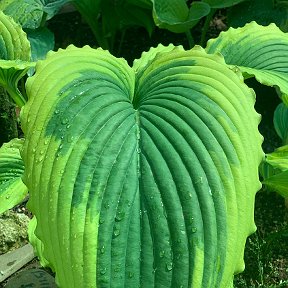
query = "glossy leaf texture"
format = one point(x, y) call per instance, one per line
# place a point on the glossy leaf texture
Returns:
point(29, 13)
point(176, 16)
point(141, 176)
point(12, 189)
point(257, 51)
point(280, 121)
point(14, 47)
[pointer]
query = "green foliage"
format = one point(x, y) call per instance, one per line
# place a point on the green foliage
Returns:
point(281, 122)
point(152, 167)
point(136, 154)
point(221, 3)
point(30, 13)
point(256, 51)
point(263, 12)
point(176, 16)
point(14, 57)
point(275, 171)
point(107, 17)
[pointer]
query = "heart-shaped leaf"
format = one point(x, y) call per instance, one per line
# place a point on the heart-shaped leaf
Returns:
point(12, 189)
point(141, 176)
point(257, 51)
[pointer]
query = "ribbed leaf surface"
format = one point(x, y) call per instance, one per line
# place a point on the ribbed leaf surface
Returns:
point(258, 51)
point(12, 189)
point(142, 176)
point(14, 47)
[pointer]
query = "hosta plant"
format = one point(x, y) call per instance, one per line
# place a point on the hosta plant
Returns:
point(141, 176)
point(145, 176)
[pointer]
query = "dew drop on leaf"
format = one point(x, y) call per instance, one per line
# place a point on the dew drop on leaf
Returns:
point(116, 232)
point(103, 270)
point(169, 266)
point(193, 229)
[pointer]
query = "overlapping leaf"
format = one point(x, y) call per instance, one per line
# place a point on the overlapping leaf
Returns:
point(257, 51)
point(12, 189)
point(142, 176)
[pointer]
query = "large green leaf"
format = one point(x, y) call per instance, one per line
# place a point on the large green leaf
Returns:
point(257, 51)
point(175, 15)
point(15, 48)
point(12, 189)
point(141, 176)
point(30, 13)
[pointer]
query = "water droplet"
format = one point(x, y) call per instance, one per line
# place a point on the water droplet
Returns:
point(42, 152)
point(64, 121)
point(7, 197)
point(46, 142)
point(103, 270)
point(130, 274)
point(102, 249)
point(191, 220)
point(34, 150)
point(101, 220)
point(119, 215)
point(61, 171)
point(169, 266)
point(162, 254)
point(138, 150)
point(40, 159)
point(56, 111)
point(210, 192)
point(193, 229)
point(116, 232)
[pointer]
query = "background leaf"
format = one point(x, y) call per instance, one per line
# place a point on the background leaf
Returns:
point(14, 57)
point(222, 3)
point(41, 41)
point(29, 13)
point(12, 189)
point(263, 12)
point(281, 122)
point(257, 51)
point(175, 15)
